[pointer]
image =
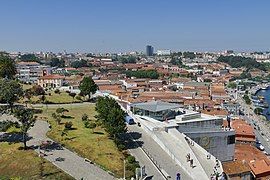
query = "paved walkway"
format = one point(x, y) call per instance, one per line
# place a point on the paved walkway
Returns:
point(71, 163)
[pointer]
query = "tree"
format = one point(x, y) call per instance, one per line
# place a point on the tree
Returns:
point(29, 58)
point(176, 61)
point(247, 99)
point(232, 85)
point(43, 98)
point(55, 62)
point(88, 87)
point(37, 90)
point(61, 111)
point(239, 61)
point(258, 111)
point(190, 55)
point(10, 92)
point(27, 119)
point(111, 115)
point(27, 94)
point(72, 94)
point(92, 126)
point(68, 125)
point(7, 66)
point(84, 117)
point(79, 64)
point(57, 118)
point(152, 74)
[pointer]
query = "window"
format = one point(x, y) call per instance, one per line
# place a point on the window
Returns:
point(231, 139)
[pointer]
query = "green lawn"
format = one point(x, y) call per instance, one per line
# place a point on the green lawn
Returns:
point(54, 98)
point(95, 146)
point(22, 164)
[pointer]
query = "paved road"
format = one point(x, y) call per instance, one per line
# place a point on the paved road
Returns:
point(151, 170)
point(161, 158)
point(72, 164)
point(253, 119)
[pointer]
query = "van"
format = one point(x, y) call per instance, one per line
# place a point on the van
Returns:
point(129, 120)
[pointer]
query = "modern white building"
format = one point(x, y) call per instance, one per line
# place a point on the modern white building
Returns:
point(196, 142)
point(165, 52)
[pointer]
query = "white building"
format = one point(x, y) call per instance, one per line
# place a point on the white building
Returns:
point(195, 141)
point(165, 52)
point(51, 81)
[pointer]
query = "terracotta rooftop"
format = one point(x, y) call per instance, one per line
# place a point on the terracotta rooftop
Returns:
point(215, 112)
point(52, 76)
point(235, 167)
point(260, 168)
point(243, 131)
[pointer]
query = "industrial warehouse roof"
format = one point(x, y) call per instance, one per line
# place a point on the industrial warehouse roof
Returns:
point(155, 106)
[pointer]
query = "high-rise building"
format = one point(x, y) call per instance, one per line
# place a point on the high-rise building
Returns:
point(149, 50)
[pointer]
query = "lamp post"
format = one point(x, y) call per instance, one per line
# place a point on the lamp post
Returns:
point(124, 169)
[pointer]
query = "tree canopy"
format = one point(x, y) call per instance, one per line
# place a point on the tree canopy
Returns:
point(10, 91)
point(55, 62)
point(190, 55)
point(239, 61)
point(127, 59)
point(88, 86)
point(112, 116)
point(176, 61)
point(29, 58)
point(79, 64)
point(27, 119)
point(7, 66)
point(152, 74)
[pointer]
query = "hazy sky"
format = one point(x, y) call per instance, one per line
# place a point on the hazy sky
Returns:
point(125, 25)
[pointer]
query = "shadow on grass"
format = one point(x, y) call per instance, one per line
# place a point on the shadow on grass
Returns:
point(51, 173)
point(14, 137)
point(70, 138)
point(97, 132)
point(67, 117)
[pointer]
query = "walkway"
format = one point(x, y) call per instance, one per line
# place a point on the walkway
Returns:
point(70, 162)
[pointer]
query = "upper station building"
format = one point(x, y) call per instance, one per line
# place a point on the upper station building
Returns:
point(195, 141)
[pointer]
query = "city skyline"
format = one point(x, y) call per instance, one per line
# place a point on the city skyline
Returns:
point(105, 26)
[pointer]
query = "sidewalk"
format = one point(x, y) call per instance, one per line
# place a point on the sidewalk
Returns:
point(70, 162)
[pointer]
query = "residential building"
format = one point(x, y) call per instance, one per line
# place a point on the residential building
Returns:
point(29, 72)
point(51, 81)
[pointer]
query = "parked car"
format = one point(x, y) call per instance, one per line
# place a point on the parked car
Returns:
point(129, 120)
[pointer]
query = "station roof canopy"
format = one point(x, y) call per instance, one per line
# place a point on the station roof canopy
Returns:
point(155, 106)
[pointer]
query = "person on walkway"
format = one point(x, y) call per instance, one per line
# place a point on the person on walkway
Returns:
point(178, 176)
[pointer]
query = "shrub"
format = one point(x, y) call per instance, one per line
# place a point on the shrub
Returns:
point(68, 91)
point(72, 94)
point(86, 124)
point(68, 125)
point(57, 91)
point(37, 90)
point(79, 98)
point(131, 159)
point(84, 117)
point(92, 125)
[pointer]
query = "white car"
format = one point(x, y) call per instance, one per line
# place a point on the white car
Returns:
point(261, 147)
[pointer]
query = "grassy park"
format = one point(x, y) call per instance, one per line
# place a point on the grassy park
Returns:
point(53, 98)
point(93, 144)
point(20, 164)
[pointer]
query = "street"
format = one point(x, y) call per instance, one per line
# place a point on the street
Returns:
point(259, 125)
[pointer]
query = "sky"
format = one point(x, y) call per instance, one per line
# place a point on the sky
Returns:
point(130, 25)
